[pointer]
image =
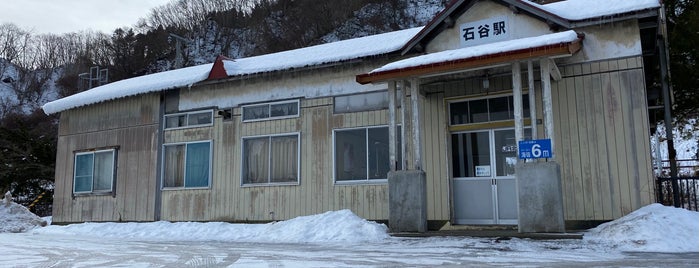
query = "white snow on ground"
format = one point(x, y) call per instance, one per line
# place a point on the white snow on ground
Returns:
point(653, 228)
point(15, 218)
point(341, 239)
point(334, 226)
point(686, 141)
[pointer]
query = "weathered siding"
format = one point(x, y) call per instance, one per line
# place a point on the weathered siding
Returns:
point(131, 124)
point(436, 157)
point(602, 135)
point(228, 200)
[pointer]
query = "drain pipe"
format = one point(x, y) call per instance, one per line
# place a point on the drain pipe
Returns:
point(667, 102)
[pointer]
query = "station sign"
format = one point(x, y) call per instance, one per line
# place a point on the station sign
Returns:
point(533, 149)
point(485, 31)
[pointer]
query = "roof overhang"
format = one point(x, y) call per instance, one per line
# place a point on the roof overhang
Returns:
point(475, 62)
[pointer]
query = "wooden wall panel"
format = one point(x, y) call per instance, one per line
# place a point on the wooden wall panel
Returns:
point(131, 125)
point(605, 158)
point(316, 192)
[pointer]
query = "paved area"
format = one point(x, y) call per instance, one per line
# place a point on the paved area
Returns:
point(28, 250)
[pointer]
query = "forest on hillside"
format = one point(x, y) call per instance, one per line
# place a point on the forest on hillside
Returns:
point(37, 68)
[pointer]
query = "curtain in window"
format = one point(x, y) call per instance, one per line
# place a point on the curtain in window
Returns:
point(379, 160)
point(104, 171)
point(284, 159)
point(197, 169)
point(350, 155)
point(83, 173)
point(256, 160)
point(174, 166)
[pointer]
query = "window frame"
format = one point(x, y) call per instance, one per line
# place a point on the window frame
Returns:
point(365, 94)
point(487, 99)
point(186, 114)
point(269, 111)
point(184, 171)
point(92, 152)
point(269, 168)
point(367, 180)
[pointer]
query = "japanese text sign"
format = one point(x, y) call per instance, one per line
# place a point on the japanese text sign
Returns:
point(532, 149)
point(484, 31)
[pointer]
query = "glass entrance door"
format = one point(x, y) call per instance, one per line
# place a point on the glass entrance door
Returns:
point(483, 165)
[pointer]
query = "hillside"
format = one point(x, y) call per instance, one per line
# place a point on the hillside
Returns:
point(36, 69)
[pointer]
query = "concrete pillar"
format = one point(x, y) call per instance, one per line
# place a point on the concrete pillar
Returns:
point(540, 197)
point(407, 201)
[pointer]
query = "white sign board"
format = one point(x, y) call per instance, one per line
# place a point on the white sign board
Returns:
point(482, 171)
point(489, 30)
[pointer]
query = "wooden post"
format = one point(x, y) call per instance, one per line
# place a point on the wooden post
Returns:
point(532, 99)
point(548, 102)
point(392, 124)
point(403, 108)
point(518, 104)
point(417, 148)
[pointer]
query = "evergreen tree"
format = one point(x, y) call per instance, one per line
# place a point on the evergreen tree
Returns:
point(683, 28)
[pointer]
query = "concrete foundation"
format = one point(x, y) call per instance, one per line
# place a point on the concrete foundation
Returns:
point(407, 201)
point(540, 198)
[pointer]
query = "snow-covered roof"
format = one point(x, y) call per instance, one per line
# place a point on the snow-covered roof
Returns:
point(320, 54)
point(298, 58)
point(570, 10)
point(588, 9)
point(131, 87)
point(476, 51)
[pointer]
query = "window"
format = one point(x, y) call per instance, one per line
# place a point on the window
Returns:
point(362, 154)
point(271, 111)
point(190, 119)
point(94, 172)
point(361, 102)
point(187, 165)
point(485, 110)
point(271, 159)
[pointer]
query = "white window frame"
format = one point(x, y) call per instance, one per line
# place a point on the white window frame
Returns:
point(269, 111)
point(186, 114)
point(184, 187)
point(112, 181)
point(366, 180)
point(269, 168)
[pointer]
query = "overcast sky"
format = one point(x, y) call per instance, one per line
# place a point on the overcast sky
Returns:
point(63, 16)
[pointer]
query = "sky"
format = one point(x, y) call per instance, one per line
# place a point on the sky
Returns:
point(64, 16)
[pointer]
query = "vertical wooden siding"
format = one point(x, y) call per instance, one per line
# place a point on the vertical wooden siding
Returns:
point(228, 200)
point(603, 138)
point(130, 124)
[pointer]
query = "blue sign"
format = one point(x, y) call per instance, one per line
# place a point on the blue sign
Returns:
point(532, 149)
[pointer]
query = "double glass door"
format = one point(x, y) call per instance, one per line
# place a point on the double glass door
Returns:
point(483, 169)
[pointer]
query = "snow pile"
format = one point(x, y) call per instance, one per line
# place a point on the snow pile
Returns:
point(480, 50)
point(653, 228)
point(333, 226)
point(14, 218)
point(586, 9)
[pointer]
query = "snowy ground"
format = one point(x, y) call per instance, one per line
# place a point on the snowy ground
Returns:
point(644, 238)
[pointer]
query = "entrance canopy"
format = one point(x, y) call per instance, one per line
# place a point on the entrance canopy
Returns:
point(549, 46)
